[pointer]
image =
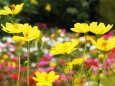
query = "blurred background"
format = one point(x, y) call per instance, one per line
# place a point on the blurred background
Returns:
point(62, 13)
point(55, 18)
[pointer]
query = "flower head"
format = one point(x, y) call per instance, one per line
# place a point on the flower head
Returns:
point(29, 34)
point(93, 27)
point(62, 48)
point(13, 9)
point(48, 7)
point(79, 61)
point(81, 27)
point(44, 79)
point(104, 44)
point(12, 28)
point(99, 28)
point(34, 2)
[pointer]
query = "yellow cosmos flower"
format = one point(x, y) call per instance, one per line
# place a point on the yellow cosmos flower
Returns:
point(5, 56)
point(99, 28)
point(2, 60)
point(81, 27)
point(69, 67)
point(34, 2)
point(101, 56)
point(12, 28)
point(104, 44)
point(13, 9)
point(44, 79)
point(48, 7)
point(29, 34)
point(78, 61)
point(62, 48)
point(77, 82)
point(13, 64)
point(52, 64)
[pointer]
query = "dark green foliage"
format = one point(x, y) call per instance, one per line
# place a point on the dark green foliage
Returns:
point(107, 11)
point(64, 13)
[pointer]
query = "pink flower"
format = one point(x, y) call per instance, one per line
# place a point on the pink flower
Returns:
point(63, 77)
point(41, 69)
point(1, 66)
point(22, 69)
point(95, 68)
point(71, 72)
point(42, 63)
point(50, 69)
point(108, 35)
point(47, 57)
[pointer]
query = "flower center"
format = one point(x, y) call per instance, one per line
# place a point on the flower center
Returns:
point(104, 44)
point(26, 34)
point(16, 26)
point(12, 7)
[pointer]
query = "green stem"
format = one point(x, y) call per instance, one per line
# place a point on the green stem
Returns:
point(38, 54)
point(66, 56)
point(67, 83)
point(19, 66)
point(84, 52)
point(28, 59)
point(13, 17)
point(72, 80)
point(98, 77)
point(108, 64)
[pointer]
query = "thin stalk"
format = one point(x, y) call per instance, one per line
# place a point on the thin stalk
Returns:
point(13, 17)
point(38, 57)
point(67, 82)
point(28, 59)
point(84, 52)
point(108, 64)
point(66, 56)
point(18, 66)
point(98, 77)
point(72, 80)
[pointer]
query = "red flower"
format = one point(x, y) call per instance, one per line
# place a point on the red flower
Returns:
point(31, 80)
point(13, 59)
point(91, 62)
point(1, 76)
point(14, 77)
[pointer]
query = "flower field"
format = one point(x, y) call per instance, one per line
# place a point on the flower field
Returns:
point(36, 56)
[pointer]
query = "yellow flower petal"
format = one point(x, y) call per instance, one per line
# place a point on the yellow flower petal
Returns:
point(81, 27)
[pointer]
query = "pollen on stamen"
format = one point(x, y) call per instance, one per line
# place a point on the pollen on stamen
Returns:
point(104, 44)
point(12, 7)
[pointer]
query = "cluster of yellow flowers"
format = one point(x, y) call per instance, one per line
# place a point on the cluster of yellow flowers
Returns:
point(29, 33)
point(94, 27)
point(101, 43)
